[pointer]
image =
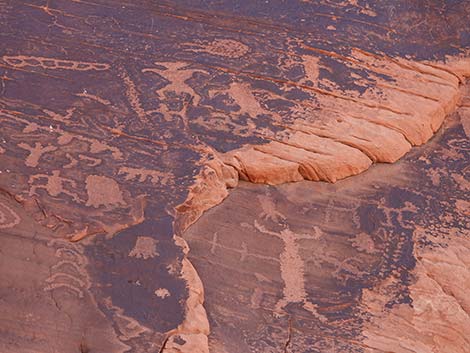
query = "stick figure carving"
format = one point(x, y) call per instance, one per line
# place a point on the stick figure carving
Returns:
point(291, 264)
point(292, 270)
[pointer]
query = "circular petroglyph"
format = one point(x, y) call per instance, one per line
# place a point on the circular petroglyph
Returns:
point(8, 217)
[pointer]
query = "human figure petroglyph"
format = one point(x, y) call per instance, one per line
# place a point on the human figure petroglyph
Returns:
point(35, 152)
point(269, 209)
point(292, 270)
point(55, 185)
point(176, 73)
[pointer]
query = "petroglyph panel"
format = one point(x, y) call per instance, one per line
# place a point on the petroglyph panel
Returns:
point(127, 121)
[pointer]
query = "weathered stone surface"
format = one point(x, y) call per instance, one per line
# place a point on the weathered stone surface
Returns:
point(374, 263)
point(121, 123)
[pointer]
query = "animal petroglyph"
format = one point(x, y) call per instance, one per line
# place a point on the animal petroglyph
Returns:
point(8, 217)
point(35, 152)
point(59, 117)
point(90, 161)
point(144, 248)
point(176, 73)
point(228, 48)
point(242, 95)
point(141, 174)
point(95, 145)
point(55, 185)
point(20, 61)
point(103, 191)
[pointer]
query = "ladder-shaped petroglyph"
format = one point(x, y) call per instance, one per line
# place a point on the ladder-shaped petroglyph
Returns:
point(68, 273)
point(133, 95)
point(20, 61)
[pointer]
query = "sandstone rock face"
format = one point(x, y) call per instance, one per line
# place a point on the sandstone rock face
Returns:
point(121, 123)
point(374, 263)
